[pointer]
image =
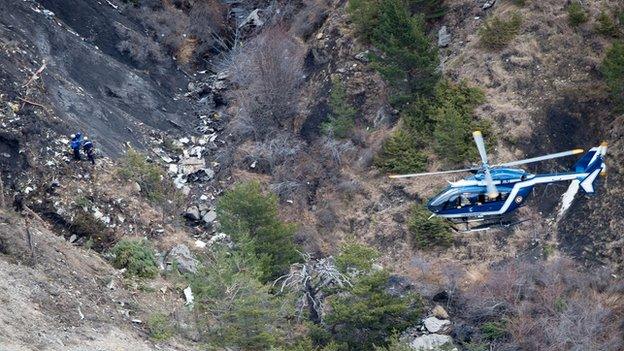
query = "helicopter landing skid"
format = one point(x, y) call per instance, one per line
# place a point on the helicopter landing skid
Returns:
point(487, 224)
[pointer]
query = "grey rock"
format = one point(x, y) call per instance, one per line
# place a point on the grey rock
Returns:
point(192, 213)
point(203, 207)
point(434, 324)
point(362, 56)
point(185, 261)
point(432, 342)
point(210, 217)
point(444, 37)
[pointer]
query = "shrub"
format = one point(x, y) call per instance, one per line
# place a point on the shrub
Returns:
point(576, 14)
point(496, 32)
point(395, 344)
point(136, 256)
point(364, 15)
point(368, 315)
point(519, 3)
point(432, 9)
point(208, 21)
point(86, 225)
point(355, 256)
point(428, 232)
point(155, 185)
point(401, 153)
point(245, 210)
point(493, 330)
point(605, 25)
point(341, 119)
point(159, 327)
point(613, 72)
point(268, 71)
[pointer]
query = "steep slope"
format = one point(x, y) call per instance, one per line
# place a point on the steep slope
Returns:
point(60, 297)
point(87, 84)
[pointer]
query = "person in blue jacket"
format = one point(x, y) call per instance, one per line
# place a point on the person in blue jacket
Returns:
point(87, 147)
point(75, 144)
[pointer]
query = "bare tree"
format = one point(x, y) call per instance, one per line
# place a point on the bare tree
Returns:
point(309, 279)
point(269, 72)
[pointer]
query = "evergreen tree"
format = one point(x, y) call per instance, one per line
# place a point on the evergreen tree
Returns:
point(244, 211)
point(409, 62)
point(368, 315)
point(341, 120)
point(613, 72)
point(401, 154)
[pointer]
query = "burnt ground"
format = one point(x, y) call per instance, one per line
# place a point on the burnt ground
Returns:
point(591, 229)
point(87, 84)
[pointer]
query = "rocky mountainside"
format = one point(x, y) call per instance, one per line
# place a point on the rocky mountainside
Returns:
point(281, 110)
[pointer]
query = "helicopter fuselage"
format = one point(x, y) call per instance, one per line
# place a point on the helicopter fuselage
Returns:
point(468, 198)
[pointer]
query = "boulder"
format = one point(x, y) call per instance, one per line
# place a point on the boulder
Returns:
point(435, 325)
point(185, 261)
point(444, 37)
point(440, 312)
point(210, 217)
point(362, 56)
point(192, 213)
point(432, 342)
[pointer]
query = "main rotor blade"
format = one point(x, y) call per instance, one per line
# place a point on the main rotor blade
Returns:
point(604, 147)
point(540, 158)
point(489, 183)
point(478, 138)
point(396, 176)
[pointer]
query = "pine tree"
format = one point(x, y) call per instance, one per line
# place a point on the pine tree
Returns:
point(400, 154)
point(341, 120)
point(409, 62)
point(613, 72)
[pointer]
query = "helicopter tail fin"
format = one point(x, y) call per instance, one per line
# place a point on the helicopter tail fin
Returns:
point(591, 165)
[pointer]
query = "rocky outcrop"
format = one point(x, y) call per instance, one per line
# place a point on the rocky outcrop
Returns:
point(180, 257)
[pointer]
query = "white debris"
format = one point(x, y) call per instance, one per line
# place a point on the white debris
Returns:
point(173, 169)
point(188, 295)
point(200, 244)
point(192, 165)
point(184, 140)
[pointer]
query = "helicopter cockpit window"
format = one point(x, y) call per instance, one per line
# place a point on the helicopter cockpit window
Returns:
point(465, 200)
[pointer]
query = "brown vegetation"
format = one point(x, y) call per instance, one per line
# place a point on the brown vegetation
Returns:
point(268, 71)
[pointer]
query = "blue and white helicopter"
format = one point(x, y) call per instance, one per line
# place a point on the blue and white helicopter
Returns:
point(495, 191)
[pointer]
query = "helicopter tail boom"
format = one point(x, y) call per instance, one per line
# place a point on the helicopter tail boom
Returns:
point(592, 164)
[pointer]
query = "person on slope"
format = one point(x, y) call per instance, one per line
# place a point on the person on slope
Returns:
point(87, 147)
point(75, 144)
